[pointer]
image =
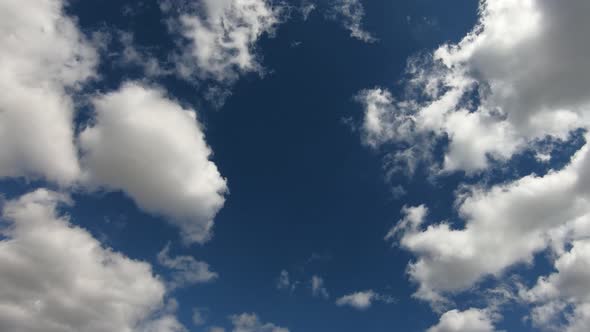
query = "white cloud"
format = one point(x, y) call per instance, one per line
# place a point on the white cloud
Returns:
point(504, 225)
point(471, 320)
point(147, 145)
point(363, 300)
point(57, 277)
point(251, 323)
point(528, 63)
point(43, 56)
point(318, 288)
point(351, 13)
point(186, 270)
point(223, 37)
point(569, 287)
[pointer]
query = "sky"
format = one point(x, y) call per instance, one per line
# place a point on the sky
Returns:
point(284, 166)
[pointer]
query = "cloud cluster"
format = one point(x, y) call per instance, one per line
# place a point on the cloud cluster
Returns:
point(140, 141)
point(154, 150)
point(519, 76)
point(504, 225)
point(55, 276)
point(41, 289)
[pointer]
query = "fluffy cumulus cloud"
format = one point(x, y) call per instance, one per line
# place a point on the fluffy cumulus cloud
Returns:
point(57, 277)
point(503, 225)
point(251, 323)
point(154, 150)
point(185, 270)
point(351, 14)
point(222, 37)
point(471, 320)
point(43, 56)
point(520, 75)
point(363, 300)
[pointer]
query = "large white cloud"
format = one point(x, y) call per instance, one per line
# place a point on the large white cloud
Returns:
point(471, 320)
point(57, 277)
point(147, 145)
point(528, 64)
point(222, 37)
point(504, 225)
point(42, 57)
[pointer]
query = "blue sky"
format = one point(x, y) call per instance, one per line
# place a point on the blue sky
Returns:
point(272, 166)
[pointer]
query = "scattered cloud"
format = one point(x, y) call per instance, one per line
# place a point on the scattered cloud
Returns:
point(318, 288)
point(43, 289)
point(519, 78)
point(186, 270)
point(351, 13)
point(148, 146)
point(284, 282)
point(363, 300)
